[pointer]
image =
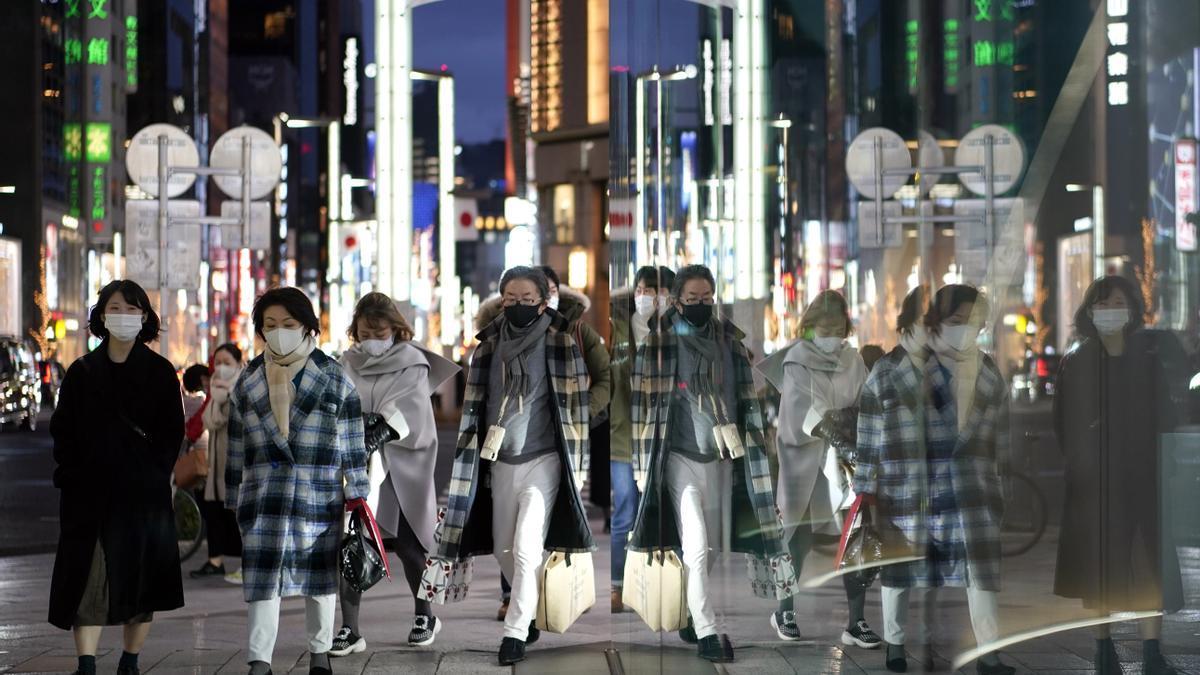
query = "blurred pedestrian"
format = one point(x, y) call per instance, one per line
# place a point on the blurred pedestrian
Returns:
point(1119, 389)
point(632, 309)
point(818, 417)
point(526, 408)
point(296, 459)
point(117, 430)
point(692, 377)
point(395, 378)
point(224, 539)
point(934, 398)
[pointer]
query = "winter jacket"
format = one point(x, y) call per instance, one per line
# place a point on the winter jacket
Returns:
point(937, 486)
point(115, 483)
point(466, 530)
point(289, 492)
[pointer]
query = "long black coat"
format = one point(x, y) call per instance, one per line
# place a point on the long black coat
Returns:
point(115, 486)
point(1114, 552)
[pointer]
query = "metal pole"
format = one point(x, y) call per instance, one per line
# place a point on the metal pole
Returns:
point(164, 294)
point(246, 175)
point(659, 188)
point(878, 192)
point(989, 192)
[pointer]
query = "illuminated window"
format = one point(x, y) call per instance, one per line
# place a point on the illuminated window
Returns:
point(1118, 64)
point(1118, 34)
point(275, 25)
point(563, 201)
point(1118, 7)
point(1118, 93)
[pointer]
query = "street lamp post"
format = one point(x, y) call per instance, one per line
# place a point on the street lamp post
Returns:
point(447, 270)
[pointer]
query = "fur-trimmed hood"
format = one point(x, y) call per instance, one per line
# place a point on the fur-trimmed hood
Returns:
point(571, 304)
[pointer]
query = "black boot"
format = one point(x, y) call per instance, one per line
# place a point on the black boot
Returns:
point(726, 647)
point(896, 661)
point(512, 651)
point(996, 668)
point(688, 634)
point(710, 648)
point(1107, 661)
point(1153, 662)
point(534, 633)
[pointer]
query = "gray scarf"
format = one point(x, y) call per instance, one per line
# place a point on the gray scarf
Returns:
point(513, 350)
point(704, 344)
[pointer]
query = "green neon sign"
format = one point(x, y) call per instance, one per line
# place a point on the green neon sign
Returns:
point(72, 141)
point(73, 50)
point(98, 201)
point(912, 52)
point(98, 10)
point(950, 52)
point(99, 142)
point(97, 52)
point(131, 51)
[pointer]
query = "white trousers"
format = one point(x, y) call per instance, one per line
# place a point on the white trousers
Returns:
point(701, 494)
point(522, 499)
point(982, 605)
point(264, 625)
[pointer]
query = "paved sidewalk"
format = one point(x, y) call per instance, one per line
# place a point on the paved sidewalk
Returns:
point(208, 635)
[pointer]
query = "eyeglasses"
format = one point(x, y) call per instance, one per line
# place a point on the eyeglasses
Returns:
point(698, 301)
point(526, 302)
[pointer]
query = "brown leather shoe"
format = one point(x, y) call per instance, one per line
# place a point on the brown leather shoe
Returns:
point(618, 605)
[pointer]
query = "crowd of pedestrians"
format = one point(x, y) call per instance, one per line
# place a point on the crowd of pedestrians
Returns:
point(293, 439)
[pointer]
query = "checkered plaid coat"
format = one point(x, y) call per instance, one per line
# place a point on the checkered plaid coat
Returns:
point(288, 493)
point(938, 488)
point(756, 527)
point(466, 530)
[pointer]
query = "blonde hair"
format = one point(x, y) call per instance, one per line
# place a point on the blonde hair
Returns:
point(378, 308)
point(827, 304)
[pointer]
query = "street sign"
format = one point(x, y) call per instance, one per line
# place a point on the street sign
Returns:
point(260, 226)
point(861, 165)
point(620, 219)
point(466, 212)
point(973, 235)
point(1185, 193)
point(10, 287)
point(929, 156)
point(266, 162)
point(1008, 159)
point(142, 244)
point(868, 228)
point(141, 159)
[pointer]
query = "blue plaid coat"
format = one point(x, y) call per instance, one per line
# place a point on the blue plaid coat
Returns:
point(937, 488)
point(289, 493)
point(466, 530)
point(756, 527)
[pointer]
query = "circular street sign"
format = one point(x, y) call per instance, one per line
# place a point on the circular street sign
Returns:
point(1008, 158)
point(141, 159)
point(860, 162)
point(929, 156)
point(266, 162)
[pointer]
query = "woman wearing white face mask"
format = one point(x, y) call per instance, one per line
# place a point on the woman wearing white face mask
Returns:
point(223, 536)
point(821, 381)
point(395, 378)
point(946, 510)
point(1118, 390)
point(296, 460)
point(117, 431)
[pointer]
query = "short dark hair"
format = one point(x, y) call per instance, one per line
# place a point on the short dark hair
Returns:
point(291, 299)
point(134, 295)
point(947, 301)
point(551, 275)
point(870, 354)
point(912, 309)
point(1101, 289)
point(655, 277)
point(233, 349)
point(193, 378)
point(531, 273)
point(689, 273)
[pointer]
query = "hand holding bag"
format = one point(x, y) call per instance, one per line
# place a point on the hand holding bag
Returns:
point(655, 587)
point(860, 550)
point(773, 577)
point(363, 559)
point(566, 589)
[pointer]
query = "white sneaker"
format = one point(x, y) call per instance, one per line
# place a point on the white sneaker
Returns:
point(424, 630)
point(234, 578)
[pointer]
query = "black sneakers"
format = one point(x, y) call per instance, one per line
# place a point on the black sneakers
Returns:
point(512, 651)
point(348, 642)
point(710, 648)
point(533, 634)
point(688, 634)
point(424, 631)
point(861, 635)
point(785, 626)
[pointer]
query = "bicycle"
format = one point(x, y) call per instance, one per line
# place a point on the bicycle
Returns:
point(189, 522)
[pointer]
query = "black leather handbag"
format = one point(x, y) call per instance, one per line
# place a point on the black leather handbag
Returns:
point(363, 560)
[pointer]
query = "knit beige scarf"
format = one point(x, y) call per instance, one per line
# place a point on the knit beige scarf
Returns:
point(281, 370)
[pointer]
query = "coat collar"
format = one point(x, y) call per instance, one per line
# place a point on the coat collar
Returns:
point(313, 381)
point(988, 387)
point(558, 324)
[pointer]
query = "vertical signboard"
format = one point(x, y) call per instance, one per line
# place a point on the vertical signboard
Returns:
point(10, 286)
point(1185, 193)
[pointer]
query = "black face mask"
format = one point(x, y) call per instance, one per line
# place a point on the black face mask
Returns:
point(521, 315)
point(698, 314)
